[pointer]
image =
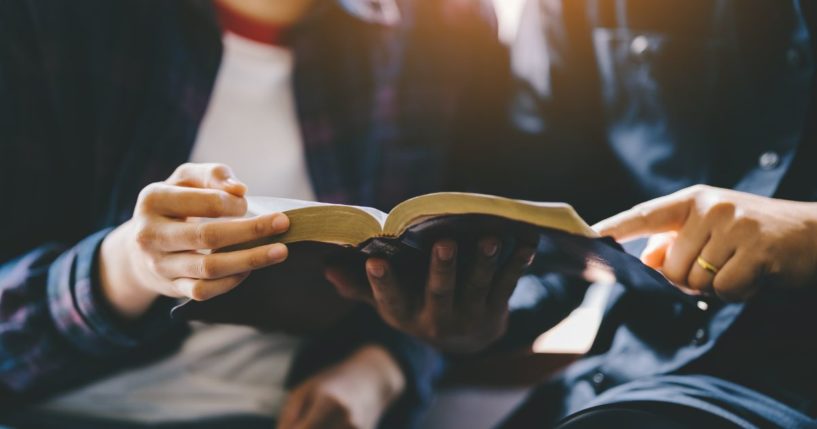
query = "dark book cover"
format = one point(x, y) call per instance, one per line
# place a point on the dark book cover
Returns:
point(294, 296)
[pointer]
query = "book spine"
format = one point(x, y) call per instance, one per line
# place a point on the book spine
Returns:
point(382, 247)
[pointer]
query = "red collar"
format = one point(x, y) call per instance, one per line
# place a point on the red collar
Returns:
point(248, 27)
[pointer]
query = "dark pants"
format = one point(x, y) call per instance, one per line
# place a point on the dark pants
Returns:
point(635, 415)
point(630, 416)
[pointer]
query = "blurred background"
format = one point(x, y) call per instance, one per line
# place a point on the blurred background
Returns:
point(479, 397)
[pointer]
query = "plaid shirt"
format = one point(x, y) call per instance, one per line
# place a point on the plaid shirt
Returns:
point(99, 98)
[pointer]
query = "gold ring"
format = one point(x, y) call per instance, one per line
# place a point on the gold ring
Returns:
point(703, 263)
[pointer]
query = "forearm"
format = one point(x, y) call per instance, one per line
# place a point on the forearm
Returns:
point(56, 331)
point(419, 364)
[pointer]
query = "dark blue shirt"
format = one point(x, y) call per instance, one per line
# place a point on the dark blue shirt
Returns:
point(634, 99)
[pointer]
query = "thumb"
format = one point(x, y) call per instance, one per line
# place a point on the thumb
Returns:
point(346, 286)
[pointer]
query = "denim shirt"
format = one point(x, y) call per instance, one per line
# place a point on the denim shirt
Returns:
point(673, 126)
point(680, 91)
point(637, 99)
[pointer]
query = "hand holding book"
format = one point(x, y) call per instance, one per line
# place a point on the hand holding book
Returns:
point(471, 304)
point(158, 252)
point(439, 266)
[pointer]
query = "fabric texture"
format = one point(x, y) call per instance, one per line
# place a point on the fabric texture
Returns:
point(667, 95)
point(92, 110)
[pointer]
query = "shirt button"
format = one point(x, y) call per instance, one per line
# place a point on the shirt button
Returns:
point(640, 46)
point(769, 160)
point(700, 337)
point(702, 305)
point(794, 57)
point(598, 380)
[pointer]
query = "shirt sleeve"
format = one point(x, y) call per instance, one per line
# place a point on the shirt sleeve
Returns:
point(56, 330)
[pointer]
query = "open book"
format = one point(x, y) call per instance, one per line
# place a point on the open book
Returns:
point(357, 226)
point(295, 296)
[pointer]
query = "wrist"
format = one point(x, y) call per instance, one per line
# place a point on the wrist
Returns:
point(391, 380)
point(811, 221)
point(811, 231)
point(118, 282)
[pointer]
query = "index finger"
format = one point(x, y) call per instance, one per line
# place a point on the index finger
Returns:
point(178, 236)
point(182, 202)
point(659, 215)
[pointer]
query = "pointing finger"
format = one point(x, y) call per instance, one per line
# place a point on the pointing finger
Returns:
point(660, 215)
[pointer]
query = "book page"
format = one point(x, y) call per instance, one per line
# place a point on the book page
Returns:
point(375, 213)
point(559, 216)
point(322, 222)
point(257, 206)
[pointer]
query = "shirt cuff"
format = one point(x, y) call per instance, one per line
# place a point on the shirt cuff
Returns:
point(81, 313)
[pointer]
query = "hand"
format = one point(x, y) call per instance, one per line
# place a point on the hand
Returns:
point(352, 394)
point(460, 315)
point(160, 252)
point(746, 238)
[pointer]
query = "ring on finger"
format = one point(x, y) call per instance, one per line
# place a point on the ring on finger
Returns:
point(706, 265)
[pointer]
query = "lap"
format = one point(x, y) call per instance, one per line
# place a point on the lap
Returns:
point(646, 415)
point(685, 400)
point(634, 415)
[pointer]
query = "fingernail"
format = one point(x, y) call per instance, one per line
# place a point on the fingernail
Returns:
point(445, 253)
point(277, 251)
point(489, 248)
point(377, 270)
point(233, 183)
point(280, 222)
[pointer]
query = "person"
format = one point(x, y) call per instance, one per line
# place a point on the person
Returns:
point(707, 109)
point(122, 122)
